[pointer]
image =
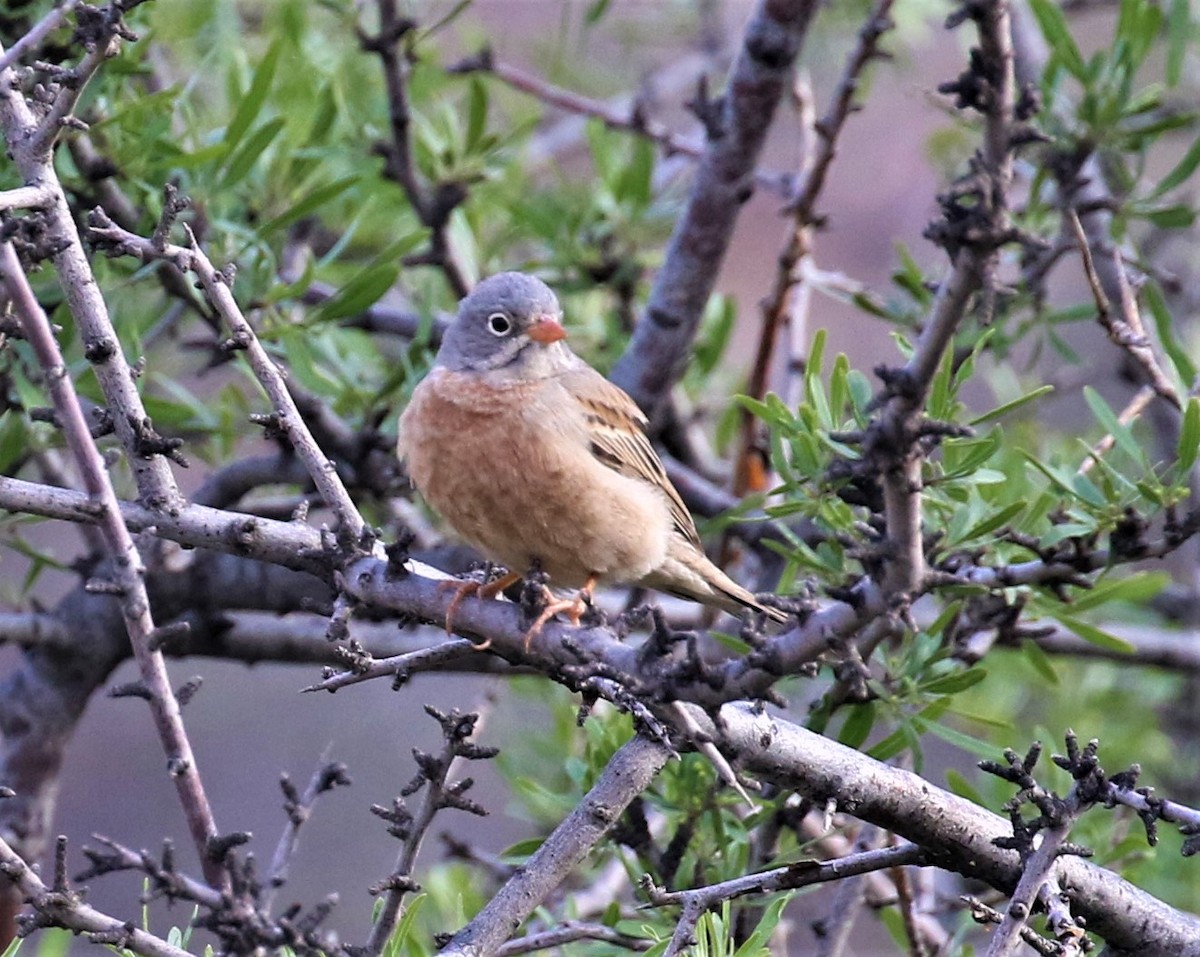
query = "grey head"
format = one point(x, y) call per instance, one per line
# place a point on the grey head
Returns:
point(511, 324)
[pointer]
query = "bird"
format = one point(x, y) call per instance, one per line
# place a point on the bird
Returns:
point(536, 459)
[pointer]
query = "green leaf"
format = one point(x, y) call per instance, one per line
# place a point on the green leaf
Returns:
point(1135, 589)
point(1179, 26)
point(401, 934)
point(1175, 216)
point(954, 682)
point(636, 180)
point(14, 441)
point(477, 110)
point(1007, 407)
point(363, 290)
point(1189, 438)
point(757, 942)
point(963, 788)
point(988, 524)
point(596, 10)
point(252, 103)
point(1054, 28)
point(241, 162)
point(1180, 172)
point(1041, 662)
point(1113, 425)
point(1165, 326)
point(858, 724)
point(311, 202)
point(959, 739)
point(1093, 635)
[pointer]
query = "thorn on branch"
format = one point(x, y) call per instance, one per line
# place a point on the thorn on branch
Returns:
point(187, 691)
point(174, 203)
point(149, 443)
point(164, 635)
point(709, 111)
point(220, 846)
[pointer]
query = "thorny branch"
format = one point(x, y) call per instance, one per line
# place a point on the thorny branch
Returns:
point(433, 775)
point(285, 415)
point(125, 564)
point(59, 906)
point(697, 901)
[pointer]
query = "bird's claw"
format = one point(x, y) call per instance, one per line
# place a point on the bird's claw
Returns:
point(463, 590)
point(574, 607)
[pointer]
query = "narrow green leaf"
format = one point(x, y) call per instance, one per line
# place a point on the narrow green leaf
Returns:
point(1175, 216)
point(1007, 407)
point(477, 110)
point(363, 290)
point(1041, 662)
point(252, 103)
point(960, 739)
point(988, 524)
point(955, 682)
point(1180, 172)
point(241, 162)
point(1165, 327)
point(963, 788)
point(1054, 28)
point(634, 185)
point(1179, 24)
point(1112, 425)
point(757, 942)
point(1093, 635)
point(1136, 589)
point(1189, 438)
point(858, 724)
point(311, 202)
point(597, 10)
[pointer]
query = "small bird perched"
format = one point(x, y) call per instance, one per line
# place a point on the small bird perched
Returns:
point(532, 456)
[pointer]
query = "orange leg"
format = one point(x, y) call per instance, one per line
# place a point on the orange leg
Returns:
point(464, 589)
point(574, 607)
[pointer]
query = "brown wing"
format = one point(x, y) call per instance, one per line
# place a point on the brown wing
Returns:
point(617, 432)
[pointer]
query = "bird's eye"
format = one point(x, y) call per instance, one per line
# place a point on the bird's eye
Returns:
point(498, 324)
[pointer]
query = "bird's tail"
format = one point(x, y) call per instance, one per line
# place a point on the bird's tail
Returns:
point(688, 573)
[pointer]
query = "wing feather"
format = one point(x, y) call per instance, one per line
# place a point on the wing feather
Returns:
point(616, 429)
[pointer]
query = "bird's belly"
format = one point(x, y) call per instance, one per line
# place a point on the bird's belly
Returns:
point(522, 494)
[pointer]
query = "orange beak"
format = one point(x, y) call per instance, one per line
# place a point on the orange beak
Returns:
point(546, 330)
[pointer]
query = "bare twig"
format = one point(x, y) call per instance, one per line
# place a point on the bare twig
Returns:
point(630, 119)
point(299, 807)
point(894, 436)
point(37, 33)
point(125, 563)
point(629, 773)
point(779, 306)
point(569, 932)
point(61, 907)
point(433, 774)
point(698, 900)
point(1123, 322)
point(217, 287)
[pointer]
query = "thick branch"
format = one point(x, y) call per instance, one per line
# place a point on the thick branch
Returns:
point(661, 342)
point(628, 774)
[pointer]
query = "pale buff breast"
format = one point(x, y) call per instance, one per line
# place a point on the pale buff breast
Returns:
point(509, 467)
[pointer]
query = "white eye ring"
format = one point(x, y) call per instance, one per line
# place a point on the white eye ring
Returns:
point(499, 324)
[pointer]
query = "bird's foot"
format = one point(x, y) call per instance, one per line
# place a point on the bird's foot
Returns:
point(463, 590)
point(574, 607)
